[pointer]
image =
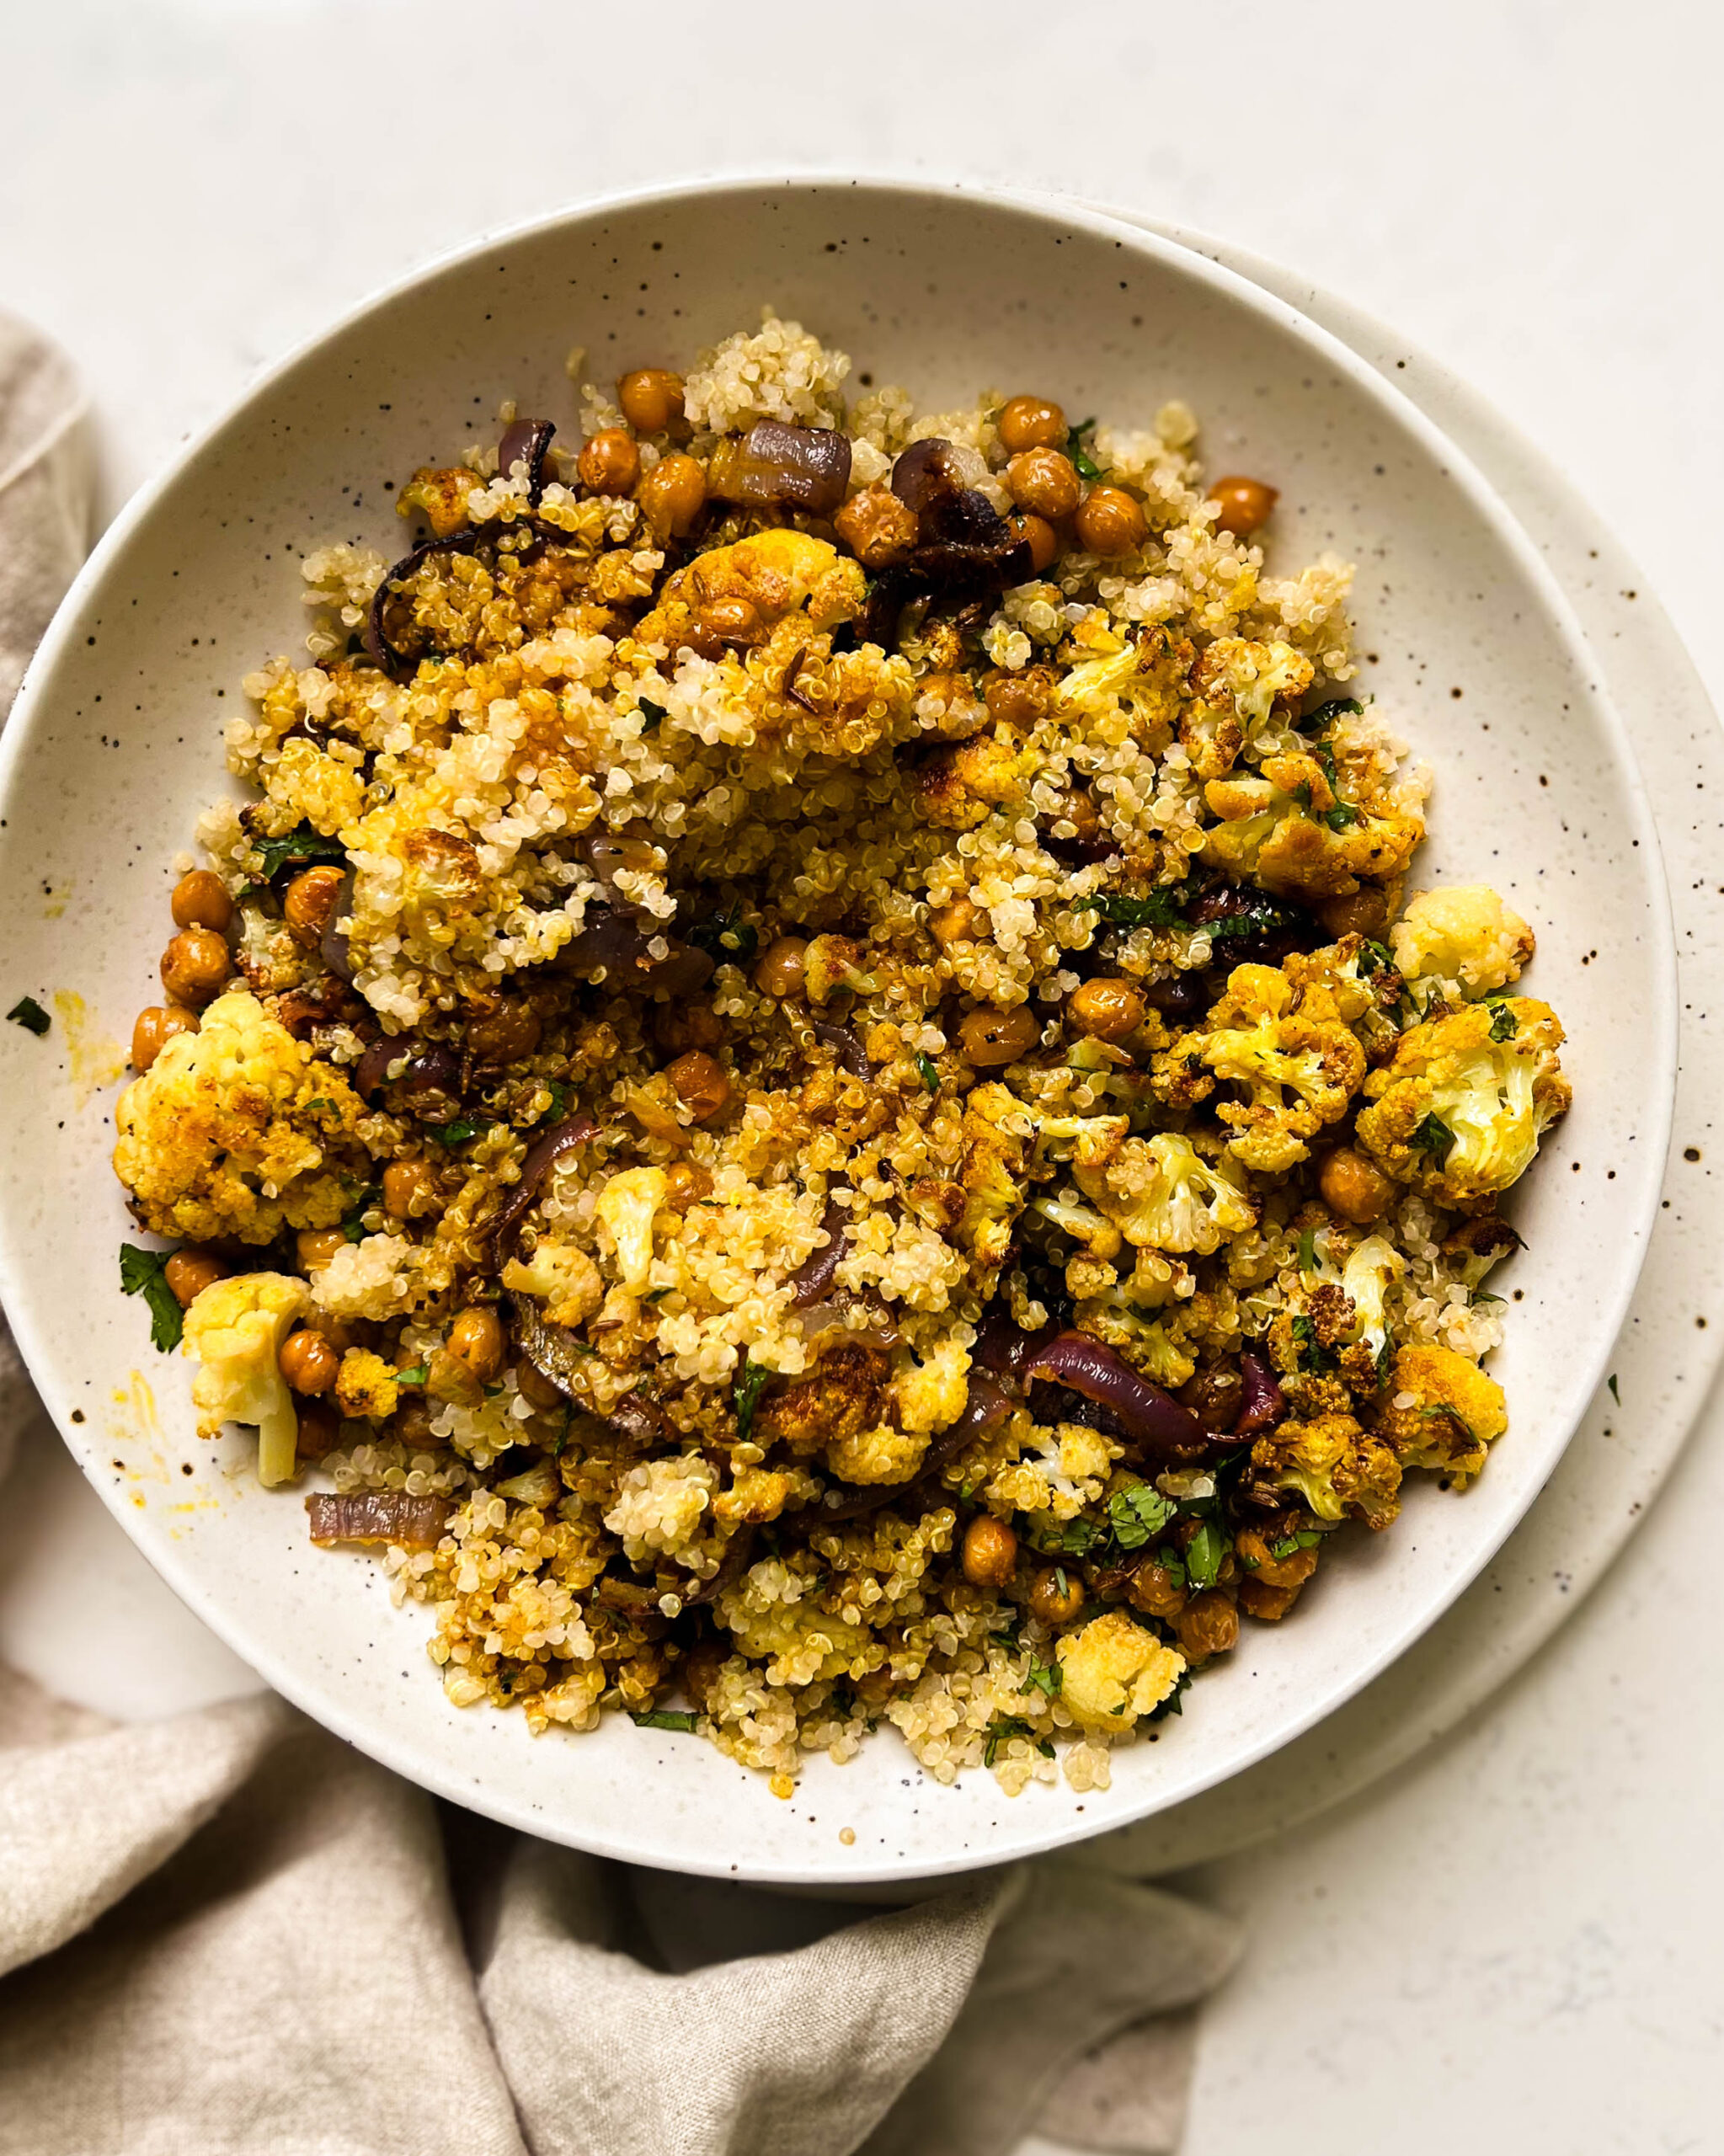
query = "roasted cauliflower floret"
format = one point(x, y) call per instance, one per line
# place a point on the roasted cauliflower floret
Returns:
point(882, 1454)
point(1370, 1271)
point(960, 784)
point(1294, 1057)
point(1114, 1671)
point(992, 1171)
point(234, 1330)
point(1237, 683)
point(564, 1278)
point(779, 572)
point(230, 1132)
point(1338, 1469)
point(1161, 1194)
point(1464, 934)
point(927, 1395)
point(1460, 1111)
point(1443, 1410)
point(628, 1206)
point(1288, 830)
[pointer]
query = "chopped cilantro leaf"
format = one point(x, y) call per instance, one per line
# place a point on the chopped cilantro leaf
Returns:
point(1077, 1537)
point(1480, 1295)
point(726, 937)
point(1204, 1554)
point(561, 1096)
point(458, 1132)
point(668, 1718)
point(651, 713)
point(562, 1438)
point(1077, 449)
point(1502, 1023)
point(1386, 1362)
point(1046, 1677)
point(353, 1227)
point(1374, 957)
point(1169, 1559)
point(144, 1273)
point(1172, 1705)
point(746, 1393)
point(1611, 1382)
point(1308, 1251)
point(298, 846)
point(1319, 722)
point(1313, 1356)
point(1162, 908)
point(416, 1375)
point(1342, 816)
point(929, 1072)
point(1432, 1135)
point(1138, 1514)
point(29, 1014)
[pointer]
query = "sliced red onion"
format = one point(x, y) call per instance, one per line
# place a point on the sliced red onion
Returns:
point(1264, 1403)
point(541, 1156)
point(812, 1278)
point(845, 1045)
point(526, 441)
point(429, 1088)
point(1003, 1346)
point(554, 1351)
point(397, 663)
point(924, 471)
point(775, 466)
point(372, 1068)
point(616, 942)
point(376, 1516)
point(1144, 1414)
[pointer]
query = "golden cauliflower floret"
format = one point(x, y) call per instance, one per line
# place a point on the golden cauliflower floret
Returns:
point(365, 1387)
point(234, 1131)
point(441, 495)
point(1338, 1469)
point(1161, 1194)
point(1114, 1671)
point(960, 784)
point(1236, 683)
point(882, 1454)
point(1464, 934)
point(234, 1331)
point(1454, 1411)
point(628, 1206)
point(562, 1277)
point(1460, 1111)
point(1288, 830)
point(995, 1163)
point(927, 1395)
point(778, 573)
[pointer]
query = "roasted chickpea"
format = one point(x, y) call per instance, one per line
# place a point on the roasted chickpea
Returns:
point(989, 1552)
point(1215, 1396)
point(1252, 1546)
point(671, 496)
point(991, 1038)
point(685, 1183)
point(411, 1422)
point(950, 924)
point(1156, 1591)
point(190, 1272)
point(320, 1426)
point(1269, 1604)
point(610, 463)
point(476, 1339)
point(504, 1035)
point(308, 1362)
point(1363, 912)
point(1107, 1008)
point(409, 1189)
point(1031, 422)
point(731, 621)
point(1038, 535)
point(195, 965)
point(1044, 482)
point(200, 900)
point(1111, 522)
point(156, 1027)
point(1056, 1598)
point(1246, 505)
point(878, 528)
point(1355, 1187)
point(316, 1246)
point(651, 399)
point(701, 1085)
point(1019, 700)
point(782, 967)
point(683, 1025)
point(312, 897)
point(1208, 1624)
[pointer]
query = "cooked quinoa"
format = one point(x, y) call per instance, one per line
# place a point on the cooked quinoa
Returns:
point(804, 1089)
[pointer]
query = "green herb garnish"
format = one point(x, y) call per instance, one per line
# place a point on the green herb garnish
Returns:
point(1077, 1537)
point(726, 937)
point(1138, 1514)
point(1319, 722)
point(144, 1273)
point(1432, 1135)
point(1046, 1677)
point(929, 1072)
point(1502, 1023)
point(668, 1718)
point(416, 1375)
point(746, 1392)
point(1308, 1251)
point(458, 1132)
point(353, 1227)
point(1307, 1538)
point(1077, 449)
point(1010, 1725)
point(1172, 1705)
point(1162, 908)
point(1386, 1362)
point(29, 1014)
point(1314, 1357)
point(1169, 1559)
point(651, 713)
point(1204, 1554)
point(1375, 959)
point(298, 846)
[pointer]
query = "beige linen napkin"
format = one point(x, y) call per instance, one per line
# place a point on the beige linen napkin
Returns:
point(228, 1932)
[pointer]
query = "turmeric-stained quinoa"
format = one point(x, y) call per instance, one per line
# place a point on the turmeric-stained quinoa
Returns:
point(803, 1084)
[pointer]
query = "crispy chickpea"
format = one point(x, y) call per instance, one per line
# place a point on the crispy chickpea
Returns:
point(1156, 1591)
point(190, 1272)
point(1031, 422)
point(782, 967)
point(156, 1027)
point(1269, 1604)
point(1056, 1598)
point(1019, 700)
point(1215, 1396)
point(1038, 535)
point(989, 1552)
point(317, 1245)
point(672, 495)
point(476, 1339)
point(1355, 1187)
point(953, 924)
point(683, 1025)
point(701, 1085)
point(411, 1422)
point(1246, 505)
point(878, 528)
point(610, 463)
point(731, 621)
point(651, 399)
point(505, 1034)
point(308, 1362)
point(685, 1183)
point(1044, 482)
point(200, 900)
point(409, 1189)
point(991, 1038)
point(320, 1426)
point(1363, 912)
point(1107, 1008)
point(1252, 1547)
point(309, 907)
point(195, 965)
point(1111, 522)
point(1208, 1624)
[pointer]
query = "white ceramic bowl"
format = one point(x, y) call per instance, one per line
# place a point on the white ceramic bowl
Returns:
point(114, 745)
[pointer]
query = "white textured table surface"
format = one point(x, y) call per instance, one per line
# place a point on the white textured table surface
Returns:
point(1515, 1943)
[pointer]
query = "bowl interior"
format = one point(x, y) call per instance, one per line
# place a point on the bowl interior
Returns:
point(115, 745)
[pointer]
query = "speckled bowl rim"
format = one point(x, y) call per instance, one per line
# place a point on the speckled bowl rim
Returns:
point(1043, 1830)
